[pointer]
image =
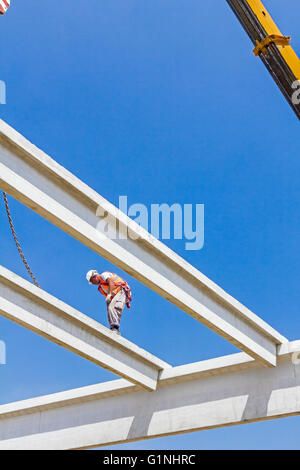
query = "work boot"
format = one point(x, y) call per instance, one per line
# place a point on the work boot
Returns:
point(115, 330)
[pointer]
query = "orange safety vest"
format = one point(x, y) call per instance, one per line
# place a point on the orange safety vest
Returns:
point(118, 282)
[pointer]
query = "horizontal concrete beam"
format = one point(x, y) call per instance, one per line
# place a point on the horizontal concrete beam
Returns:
point(36, 310)
point(32, 177)
point(219, 392)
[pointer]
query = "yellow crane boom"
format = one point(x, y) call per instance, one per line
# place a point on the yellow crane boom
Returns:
point(272, 47)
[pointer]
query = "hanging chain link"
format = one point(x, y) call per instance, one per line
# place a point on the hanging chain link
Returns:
point(17, 241)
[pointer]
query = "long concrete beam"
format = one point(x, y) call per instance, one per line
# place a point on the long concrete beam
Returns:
point(32, 177)
point(219, 392)
point(40, 312)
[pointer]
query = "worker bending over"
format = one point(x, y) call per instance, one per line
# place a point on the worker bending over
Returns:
point(117, 293)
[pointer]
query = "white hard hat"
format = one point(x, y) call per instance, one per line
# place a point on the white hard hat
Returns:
point(90, 274)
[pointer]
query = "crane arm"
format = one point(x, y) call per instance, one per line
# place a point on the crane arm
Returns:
point(272, 47)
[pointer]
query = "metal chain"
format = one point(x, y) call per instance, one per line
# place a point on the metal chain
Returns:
point(17, 241)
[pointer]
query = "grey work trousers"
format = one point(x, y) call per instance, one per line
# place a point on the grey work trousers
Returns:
point(115, 309)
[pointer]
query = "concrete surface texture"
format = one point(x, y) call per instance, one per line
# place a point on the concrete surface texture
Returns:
point(225, 391)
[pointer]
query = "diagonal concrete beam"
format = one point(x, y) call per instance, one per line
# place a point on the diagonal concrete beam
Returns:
point(219, 392)
point(36, 310)
point(32, 177)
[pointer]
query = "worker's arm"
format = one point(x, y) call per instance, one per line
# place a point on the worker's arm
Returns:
point(111, 286)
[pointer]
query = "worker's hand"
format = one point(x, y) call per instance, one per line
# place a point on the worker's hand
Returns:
point(108, 299)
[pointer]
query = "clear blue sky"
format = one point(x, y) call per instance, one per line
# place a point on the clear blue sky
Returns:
point(162, 101)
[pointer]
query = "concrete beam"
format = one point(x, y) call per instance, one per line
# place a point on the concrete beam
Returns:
point(219, 392)
point(36, 310)
point(32, 177)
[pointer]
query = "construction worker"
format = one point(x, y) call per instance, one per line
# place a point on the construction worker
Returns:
point(116, 292)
